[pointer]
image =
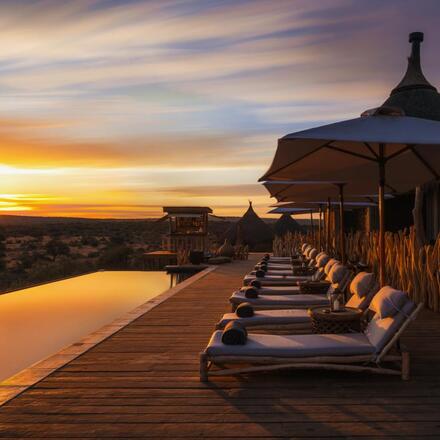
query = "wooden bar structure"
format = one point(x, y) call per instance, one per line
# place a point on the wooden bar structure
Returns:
point(188, 228)
point(143, 382)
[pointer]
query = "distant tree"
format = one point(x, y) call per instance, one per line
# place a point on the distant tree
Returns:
point(26, 260)
point(55, 248)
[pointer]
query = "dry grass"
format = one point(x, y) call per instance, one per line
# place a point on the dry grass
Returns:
point(408, 267)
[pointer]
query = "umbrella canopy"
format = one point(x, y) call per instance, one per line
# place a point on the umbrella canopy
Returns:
point(381, 148)
point(349, 151)
point(348, 206)
point(314, 191)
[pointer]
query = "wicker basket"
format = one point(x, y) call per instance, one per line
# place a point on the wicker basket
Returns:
point(345, 321)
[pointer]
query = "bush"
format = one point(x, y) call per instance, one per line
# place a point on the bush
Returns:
point(55, 248)
point(115, 257)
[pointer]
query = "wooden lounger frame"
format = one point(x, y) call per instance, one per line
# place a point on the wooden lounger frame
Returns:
point(344, 283)
point(372, 363)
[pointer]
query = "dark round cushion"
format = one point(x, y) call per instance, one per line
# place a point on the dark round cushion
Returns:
point(244, 310)
point(256, 284)
point(250, 292)
point(234, 334)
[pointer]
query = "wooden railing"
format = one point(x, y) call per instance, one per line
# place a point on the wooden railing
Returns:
point(412, 268)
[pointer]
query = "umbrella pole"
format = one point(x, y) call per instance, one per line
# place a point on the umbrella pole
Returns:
point(319, 228)
point(381, 161)
point(311, 225)
point(341, 222)
point(328, 224)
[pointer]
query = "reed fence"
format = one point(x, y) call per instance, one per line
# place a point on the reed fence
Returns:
point(409, 267)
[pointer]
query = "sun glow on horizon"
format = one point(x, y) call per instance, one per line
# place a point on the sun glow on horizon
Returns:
point(152, 103)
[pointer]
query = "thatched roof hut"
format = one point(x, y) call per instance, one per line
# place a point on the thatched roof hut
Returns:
point(415, 95)
point(286, 224)
point(251, 230)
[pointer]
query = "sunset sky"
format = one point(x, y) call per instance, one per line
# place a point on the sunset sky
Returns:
point(116, 108)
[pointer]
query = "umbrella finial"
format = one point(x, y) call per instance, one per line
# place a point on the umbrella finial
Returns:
point(415, 38)
point(414, 78)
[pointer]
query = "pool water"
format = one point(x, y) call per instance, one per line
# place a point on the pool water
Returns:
point(39, 321)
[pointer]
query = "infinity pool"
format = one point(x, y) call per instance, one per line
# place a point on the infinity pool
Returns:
point(39, 321)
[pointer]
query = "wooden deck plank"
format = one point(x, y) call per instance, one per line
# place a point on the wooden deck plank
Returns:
point(143, 382)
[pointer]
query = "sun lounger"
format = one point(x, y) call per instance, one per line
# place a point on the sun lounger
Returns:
point(288, 267)
point(339, 277)
point(323, 263)
point(375, 350)
point(363, 287)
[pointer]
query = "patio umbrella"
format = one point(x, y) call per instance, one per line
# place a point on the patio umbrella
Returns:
point(306, 191)
point(300, 208)
point(402, 151)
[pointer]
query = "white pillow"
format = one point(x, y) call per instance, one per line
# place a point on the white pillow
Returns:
point(330, 263)
point(387, 302)
point(362, 284)
point(322, 260)
point(337, 273)
point(313, 253)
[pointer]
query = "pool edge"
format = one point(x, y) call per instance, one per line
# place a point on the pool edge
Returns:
point(26, 378)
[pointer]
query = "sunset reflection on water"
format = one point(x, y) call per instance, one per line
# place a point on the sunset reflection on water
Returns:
point(38, 321)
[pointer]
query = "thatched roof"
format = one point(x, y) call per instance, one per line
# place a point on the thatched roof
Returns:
point(414, 94)
point(286, 224)
point(187, 210)
point(251, 230)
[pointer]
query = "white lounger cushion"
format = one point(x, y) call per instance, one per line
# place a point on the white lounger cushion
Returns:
point(274, 273)
point(292, 345)
point(276, 280)
point(278, 290)
point(298, 300)
point(274, 266)
point(269, 317)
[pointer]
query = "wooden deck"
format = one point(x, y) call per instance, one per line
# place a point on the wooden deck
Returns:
point(143, 382)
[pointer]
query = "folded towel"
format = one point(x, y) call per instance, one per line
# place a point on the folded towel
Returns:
point(260, 273)
point(256, 284)
point(234, 334)
point(244, 310)
point(250, 292)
